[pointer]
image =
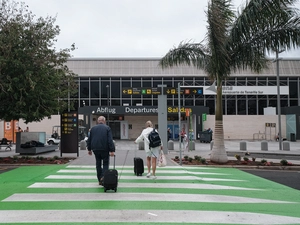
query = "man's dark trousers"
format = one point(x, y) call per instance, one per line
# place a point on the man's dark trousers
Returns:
point(101, 156)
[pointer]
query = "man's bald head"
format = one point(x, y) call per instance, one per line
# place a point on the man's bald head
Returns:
point(101, 119)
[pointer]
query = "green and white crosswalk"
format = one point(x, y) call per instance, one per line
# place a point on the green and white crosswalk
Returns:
point(191, 195)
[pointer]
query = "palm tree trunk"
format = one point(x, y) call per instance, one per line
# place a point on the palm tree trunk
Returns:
point(218, 154)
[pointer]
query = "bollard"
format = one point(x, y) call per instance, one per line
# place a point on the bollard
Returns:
point(243, 145)
point(170, 145)
point(192, 146)
point(141, 145)
point(211, 145)
point(286, 146)
point(264, 145)
point(82, 145)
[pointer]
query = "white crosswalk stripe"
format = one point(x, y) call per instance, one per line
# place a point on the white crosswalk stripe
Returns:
point(135, 197)
point(92, 177)
point(142, 216)
point(140, 185)
point(165, 172)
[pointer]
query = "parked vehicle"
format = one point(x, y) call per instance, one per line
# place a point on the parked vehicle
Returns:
point(55, 137)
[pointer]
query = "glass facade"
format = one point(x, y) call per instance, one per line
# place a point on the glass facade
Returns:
point(103, 91)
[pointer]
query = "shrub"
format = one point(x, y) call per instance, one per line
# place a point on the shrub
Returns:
point(284, 162)
point(186, 157)
point(190, 159)
point(197, 157)
point(238, 157)
point(203, 160)
point(263, 161)
point(253, 159)
point(246, 159)
point(176, 157)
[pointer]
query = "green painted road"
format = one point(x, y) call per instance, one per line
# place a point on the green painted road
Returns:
point(70, 194)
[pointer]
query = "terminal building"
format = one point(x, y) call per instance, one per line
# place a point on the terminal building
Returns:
point(124, 90)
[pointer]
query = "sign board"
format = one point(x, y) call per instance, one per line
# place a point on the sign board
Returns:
point(204, 117)
point(142, 91)
point(69, 132)
point(184, 91)
point(270, 124)
point(167, 91)
point(187, 112)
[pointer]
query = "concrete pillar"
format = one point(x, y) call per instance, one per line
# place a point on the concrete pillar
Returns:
point(243, 145)
point(286, 146)
point(264, 145)
point(170, 145)
point(82, 145)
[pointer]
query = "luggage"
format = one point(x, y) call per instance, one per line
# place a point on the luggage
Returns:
point(138, 166)
point(110, 178)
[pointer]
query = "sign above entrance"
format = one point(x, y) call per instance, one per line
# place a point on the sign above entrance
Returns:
point(142, 91)
point(157, 91)
point(184, 91)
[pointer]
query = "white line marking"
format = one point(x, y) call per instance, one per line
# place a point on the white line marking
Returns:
point(158, 168)
point(140, 185)
point(142, 216)
point(112, 196)
point(88, 177)
point(166, 171)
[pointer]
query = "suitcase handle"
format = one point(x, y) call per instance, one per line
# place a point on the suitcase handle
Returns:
point(114, 161)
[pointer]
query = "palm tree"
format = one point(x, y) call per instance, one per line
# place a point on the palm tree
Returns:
point(237, 41)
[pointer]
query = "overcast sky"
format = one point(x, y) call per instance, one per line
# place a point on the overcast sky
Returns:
point(127, 28)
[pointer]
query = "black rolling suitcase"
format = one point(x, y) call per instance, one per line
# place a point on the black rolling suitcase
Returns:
point(110, 178)
point(138, 166)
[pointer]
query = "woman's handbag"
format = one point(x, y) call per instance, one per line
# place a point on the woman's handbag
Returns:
point(162, 161)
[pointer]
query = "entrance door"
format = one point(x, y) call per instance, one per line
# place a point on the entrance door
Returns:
point(115, 127)
point(173, 125)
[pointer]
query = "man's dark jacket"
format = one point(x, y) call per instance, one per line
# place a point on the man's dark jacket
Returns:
point(100, 139)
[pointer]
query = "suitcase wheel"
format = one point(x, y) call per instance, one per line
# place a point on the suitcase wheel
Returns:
point(105, 189)
point(115, 189)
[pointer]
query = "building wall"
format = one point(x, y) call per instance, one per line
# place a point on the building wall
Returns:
point(236, 127)
point(138, 124)
point(242, 127)
point(44, 126)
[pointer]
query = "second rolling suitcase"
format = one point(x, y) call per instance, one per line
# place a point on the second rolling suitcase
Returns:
point(138, 166)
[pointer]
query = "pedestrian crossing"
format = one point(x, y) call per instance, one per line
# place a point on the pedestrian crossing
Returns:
point(190, 195)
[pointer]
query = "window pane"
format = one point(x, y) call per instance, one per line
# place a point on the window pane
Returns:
point(84, 89)
point(95, 92)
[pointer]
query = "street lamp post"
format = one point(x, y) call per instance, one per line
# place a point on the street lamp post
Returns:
point(107, 87)
point(278, 99)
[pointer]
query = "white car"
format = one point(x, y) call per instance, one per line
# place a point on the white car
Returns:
point(53, 141)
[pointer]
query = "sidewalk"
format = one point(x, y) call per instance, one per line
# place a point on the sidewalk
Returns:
point(126, 150)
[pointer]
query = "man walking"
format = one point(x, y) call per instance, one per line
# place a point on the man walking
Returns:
point(101, 143)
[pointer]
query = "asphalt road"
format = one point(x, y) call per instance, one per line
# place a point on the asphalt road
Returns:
point(287, 178)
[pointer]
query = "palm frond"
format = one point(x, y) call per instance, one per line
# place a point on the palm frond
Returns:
point(263, 26)
point(186, 53)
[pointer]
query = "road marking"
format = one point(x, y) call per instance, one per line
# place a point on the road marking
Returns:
point(165, 172)
point(158, 168)
point(141, 185)
point(88, 177)
point(142, 216)
point(168, 197)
